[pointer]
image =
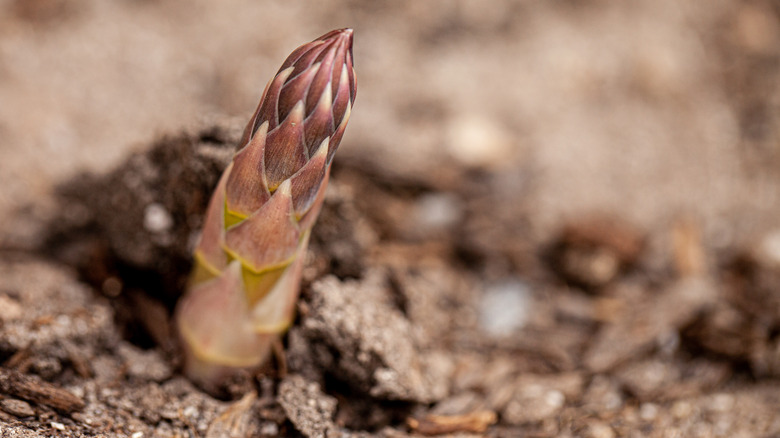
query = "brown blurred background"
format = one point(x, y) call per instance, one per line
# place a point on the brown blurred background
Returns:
point(655, 109)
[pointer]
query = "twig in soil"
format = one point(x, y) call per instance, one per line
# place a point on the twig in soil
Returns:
point(475, 422)
point(28, 388)
point(19, 360)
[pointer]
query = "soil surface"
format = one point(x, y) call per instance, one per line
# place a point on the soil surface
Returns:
point(545, 219)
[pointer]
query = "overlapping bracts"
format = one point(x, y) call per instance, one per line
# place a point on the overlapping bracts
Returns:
point(248, 261)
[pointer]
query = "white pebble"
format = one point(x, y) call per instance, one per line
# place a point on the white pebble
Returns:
point(770, 247)
point(648, 411)
point(58, 426)
point(269, 429)
point(157, 219)
point(504, 308)
point(478, 141)
point(437, 211)
point(554, 399)
point(190, 411)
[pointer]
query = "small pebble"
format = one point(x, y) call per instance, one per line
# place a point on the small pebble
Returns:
point(58, 426)
point(600, 430)
point(504, 308)
point(437, 211)
point(137, 435)
point(269, 429)
point(157, 219)
point(648, 411)
point(190, 411)
point(555, 399)
point(478, 141)
point(10, 308)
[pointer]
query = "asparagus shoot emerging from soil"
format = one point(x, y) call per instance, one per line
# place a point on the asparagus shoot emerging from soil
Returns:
point(248, 262)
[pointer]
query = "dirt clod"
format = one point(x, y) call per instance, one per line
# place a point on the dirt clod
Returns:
point(307, 407)
point(16, 407)
point(374, 347)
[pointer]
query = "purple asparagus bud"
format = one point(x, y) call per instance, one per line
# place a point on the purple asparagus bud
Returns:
point(248, 261)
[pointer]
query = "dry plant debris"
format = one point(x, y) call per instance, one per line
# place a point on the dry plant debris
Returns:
point(20, 385)
point(475, 422)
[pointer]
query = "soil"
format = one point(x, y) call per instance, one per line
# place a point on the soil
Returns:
point(545, 219)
